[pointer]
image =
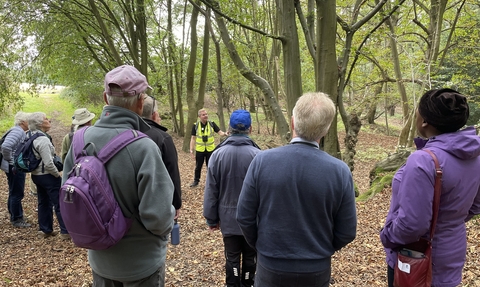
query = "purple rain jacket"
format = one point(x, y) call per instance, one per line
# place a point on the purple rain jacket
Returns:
point(410, 211)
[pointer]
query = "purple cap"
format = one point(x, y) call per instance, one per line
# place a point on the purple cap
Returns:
point(240, 120)
point(128, 78)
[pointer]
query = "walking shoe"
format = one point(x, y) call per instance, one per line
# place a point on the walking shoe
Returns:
point(65, 236)
point(42, 234)
point(195, 183)
point(21, 223)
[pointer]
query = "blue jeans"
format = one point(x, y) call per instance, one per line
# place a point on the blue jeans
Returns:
point(157, 279)
point(16, 187)
point(270, 278)
point(48, 189)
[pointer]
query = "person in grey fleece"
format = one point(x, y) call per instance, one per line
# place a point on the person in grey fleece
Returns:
point(297, 204)
point(140, 183)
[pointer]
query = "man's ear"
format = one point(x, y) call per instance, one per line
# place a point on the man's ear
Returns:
point(140, 103)
point(105, 97)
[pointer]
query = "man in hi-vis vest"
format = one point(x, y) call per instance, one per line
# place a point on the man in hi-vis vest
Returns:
point(203, 142)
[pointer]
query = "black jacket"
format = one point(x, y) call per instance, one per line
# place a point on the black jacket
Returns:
point(165, 143)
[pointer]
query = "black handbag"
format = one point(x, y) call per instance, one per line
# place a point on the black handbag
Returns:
point(57, 161)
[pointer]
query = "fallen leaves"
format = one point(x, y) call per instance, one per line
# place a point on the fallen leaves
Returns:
point(26, 260)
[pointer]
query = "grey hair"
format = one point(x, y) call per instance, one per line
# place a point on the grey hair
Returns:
point(21, 117)
point(149, 108)
point(312, 115)
point(123, 102)
point(233, 131)
point(35, 121)
point(201, 110)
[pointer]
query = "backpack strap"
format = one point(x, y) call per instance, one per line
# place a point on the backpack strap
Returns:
point(110, 149)
point(78, 143)
point(117, 143)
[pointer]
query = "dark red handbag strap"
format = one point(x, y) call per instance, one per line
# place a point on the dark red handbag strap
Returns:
point(438, 190)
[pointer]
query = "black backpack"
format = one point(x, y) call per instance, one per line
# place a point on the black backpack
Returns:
point(1, 143)
point(24, 158)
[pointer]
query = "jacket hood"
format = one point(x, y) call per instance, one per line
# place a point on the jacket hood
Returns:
point(237, 140)
point(463, 144)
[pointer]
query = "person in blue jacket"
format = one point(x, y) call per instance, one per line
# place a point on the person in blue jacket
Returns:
point(16, 179)
point(226, 171)
point(297, 204)
point(440, 115)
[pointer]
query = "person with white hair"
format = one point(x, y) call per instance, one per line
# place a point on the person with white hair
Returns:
point(16, 179)
point(46, 177)
point(164, 141)
point(297, 204)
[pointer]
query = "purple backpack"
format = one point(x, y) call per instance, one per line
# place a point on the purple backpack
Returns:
point(91, 214)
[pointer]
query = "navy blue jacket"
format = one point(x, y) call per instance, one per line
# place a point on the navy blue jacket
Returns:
point(226, 170)
point(297, 207)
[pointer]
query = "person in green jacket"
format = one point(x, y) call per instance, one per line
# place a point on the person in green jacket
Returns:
point(81, 118)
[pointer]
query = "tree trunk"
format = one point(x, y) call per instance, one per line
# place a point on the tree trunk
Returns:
point(173, 73)
point(351, 139)
point(219, 88)
point(258, 81)
point(326, 65)
point(291, 54)
point(204, 71)
point(192, 104)
point(397, 69)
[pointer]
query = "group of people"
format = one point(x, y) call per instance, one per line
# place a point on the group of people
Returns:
point(285, 211)
point(282, 212)
point(46, 176)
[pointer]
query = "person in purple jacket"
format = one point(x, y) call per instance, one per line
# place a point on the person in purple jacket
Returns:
point(440, 115)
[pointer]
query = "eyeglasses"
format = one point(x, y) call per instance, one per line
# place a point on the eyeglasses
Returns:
point(154, 104)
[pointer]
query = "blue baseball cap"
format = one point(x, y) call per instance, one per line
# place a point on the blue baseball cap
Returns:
point(240, 120)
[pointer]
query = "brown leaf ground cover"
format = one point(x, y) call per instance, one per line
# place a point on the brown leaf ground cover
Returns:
point(26, 260)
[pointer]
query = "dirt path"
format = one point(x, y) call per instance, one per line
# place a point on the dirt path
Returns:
point(26, 260)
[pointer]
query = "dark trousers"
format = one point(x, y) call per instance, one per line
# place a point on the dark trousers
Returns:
point(16, 187)
point(390, 276)
point(200, 158)
point(157, 279)
point(270, 278)
point(235, 248)
point(48, 189)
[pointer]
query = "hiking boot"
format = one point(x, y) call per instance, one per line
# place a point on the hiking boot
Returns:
point(42, 234)
point(195, 183)
point(21, 223)
point(65, 236)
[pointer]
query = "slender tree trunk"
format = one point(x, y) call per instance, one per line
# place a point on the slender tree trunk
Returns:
point(219, 88)
point(397, 69)
point(204, 70)
point(326, 61)
point(291, 54)
point(173, 71)
point(192, 103)
point(258, 81)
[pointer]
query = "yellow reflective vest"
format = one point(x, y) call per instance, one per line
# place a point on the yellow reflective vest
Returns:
point(200, 145)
